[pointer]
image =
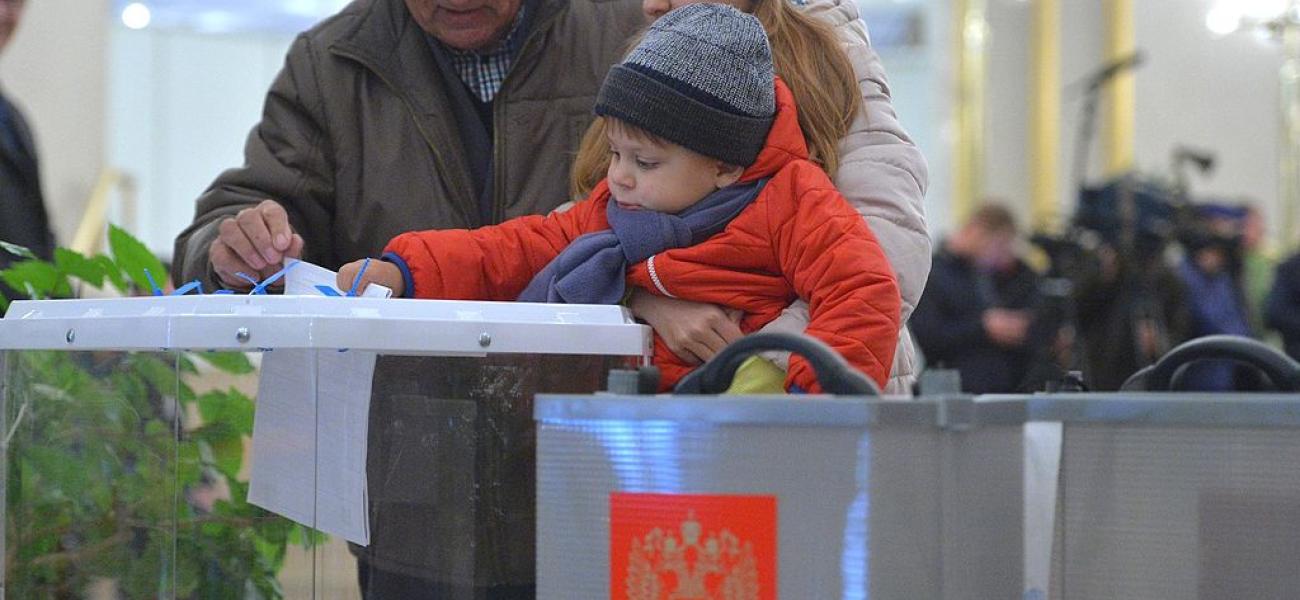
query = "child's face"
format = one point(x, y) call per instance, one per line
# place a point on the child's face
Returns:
point(648, 175)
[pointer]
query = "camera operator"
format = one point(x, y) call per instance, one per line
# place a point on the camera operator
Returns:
point(1210, 272)
point(1258, 262)
point(1131, 309)
point(978, 311)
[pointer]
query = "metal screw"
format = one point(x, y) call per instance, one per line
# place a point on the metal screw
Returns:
point(485, 339)
point(71, 337)
point(243, 335)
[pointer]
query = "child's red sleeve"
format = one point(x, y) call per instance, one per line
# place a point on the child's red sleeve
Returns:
point(489, 263)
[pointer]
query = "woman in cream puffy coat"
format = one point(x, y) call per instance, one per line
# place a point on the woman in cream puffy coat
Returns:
point(879, 170)
point(884, 176)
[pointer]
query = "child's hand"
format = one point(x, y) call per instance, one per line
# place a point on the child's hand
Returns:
point(384, 273)
point(694, 331)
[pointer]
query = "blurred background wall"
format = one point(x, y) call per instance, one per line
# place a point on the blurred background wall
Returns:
point(56, 69)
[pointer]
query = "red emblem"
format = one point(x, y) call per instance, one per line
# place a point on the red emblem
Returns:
point(685, 547)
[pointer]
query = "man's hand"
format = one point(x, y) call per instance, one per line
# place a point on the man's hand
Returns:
point(694, 331)
point(384, 273)
point(1007, 328)
point(255, 242)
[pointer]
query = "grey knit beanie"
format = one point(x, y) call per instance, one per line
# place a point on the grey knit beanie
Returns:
point(702, 78)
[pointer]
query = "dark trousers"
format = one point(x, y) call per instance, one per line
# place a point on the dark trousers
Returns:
point(378, 584)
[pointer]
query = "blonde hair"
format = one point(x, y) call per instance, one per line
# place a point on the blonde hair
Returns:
point(808, 56)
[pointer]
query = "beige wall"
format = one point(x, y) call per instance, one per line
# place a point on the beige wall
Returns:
point(1216, 93)
point(55, 69)
point(1194, 89)
point(180, 109)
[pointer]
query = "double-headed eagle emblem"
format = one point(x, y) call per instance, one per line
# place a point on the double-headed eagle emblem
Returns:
point(697, 566)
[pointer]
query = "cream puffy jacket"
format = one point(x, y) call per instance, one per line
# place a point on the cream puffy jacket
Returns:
point(884, 176)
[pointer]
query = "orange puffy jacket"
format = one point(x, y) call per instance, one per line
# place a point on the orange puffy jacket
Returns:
point(799, 239)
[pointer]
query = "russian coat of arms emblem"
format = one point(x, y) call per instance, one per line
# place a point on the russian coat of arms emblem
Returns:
point(675, 547)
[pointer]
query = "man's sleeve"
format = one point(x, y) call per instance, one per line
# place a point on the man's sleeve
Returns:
point(285, 159)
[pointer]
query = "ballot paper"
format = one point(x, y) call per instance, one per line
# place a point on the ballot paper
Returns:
point(307, 279)
point(310, 426)
point(309, 439)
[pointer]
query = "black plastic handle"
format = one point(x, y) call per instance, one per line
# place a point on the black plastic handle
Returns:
point(833, 372)
point(1280, 369)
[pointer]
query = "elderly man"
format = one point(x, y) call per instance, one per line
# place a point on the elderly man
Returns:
point(24, 222)
point(397, 115)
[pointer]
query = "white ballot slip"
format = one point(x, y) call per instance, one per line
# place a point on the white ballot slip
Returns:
point(309, 439)
point(306, 279)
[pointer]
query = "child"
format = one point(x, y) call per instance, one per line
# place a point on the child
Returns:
point(709, 197)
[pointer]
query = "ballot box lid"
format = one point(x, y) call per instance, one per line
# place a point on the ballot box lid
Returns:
point(1159, 409)
point(261, 322)
point(953, 412)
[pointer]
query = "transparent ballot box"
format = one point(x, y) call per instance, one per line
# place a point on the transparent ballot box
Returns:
point(269, 446)
point(778, 497)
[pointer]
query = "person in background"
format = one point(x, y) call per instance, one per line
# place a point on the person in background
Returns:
point(1258, 265)
point(1214, 298)
point(978, 310)
point(23, 220)
point(1283, 311)
point(821, 50)
point(395, 115)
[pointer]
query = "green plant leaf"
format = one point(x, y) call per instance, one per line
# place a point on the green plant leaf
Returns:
point(306, 537)
point(159, 370)
point(112, 272)
point(134, 257)
point(20, 251)
point(229, 408)
point(189, 468)
point(185, 363)
point(105, 460)
point(234, 363)
point(36, 276)
point(75, 264)
point(157, 429)
point(230, 456)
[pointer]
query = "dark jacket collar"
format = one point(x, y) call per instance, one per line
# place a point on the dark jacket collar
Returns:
point(383, 38)
point(386, 39)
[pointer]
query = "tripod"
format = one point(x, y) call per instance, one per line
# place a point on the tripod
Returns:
point(1116, 285)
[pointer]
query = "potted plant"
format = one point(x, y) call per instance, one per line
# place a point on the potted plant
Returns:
point(121, 476)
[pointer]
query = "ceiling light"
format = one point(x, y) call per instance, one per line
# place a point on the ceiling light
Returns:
point(136, 16)
point(1223, 19)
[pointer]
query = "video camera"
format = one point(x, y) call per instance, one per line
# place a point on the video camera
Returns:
point(1128, 210)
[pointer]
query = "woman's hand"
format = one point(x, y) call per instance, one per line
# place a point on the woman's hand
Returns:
point(694, 331)
point(384, 273)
